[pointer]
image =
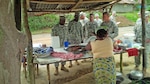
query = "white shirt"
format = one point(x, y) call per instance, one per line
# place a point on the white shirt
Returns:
point(98, 21)
point(84, 21)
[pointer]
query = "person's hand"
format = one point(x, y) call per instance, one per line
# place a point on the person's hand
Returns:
point(147, 41)
point(93, 34)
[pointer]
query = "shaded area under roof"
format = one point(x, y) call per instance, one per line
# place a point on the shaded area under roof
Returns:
point(65, 6)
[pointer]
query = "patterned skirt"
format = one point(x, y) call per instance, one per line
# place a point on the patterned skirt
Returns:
point(104, 70)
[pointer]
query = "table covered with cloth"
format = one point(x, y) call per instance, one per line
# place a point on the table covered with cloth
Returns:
point(49, 59)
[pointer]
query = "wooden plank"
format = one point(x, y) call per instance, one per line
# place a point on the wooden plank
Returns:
point(48, 73)
point(50, 11)
point(28, 4)
point(96, 1)
point(121, 63)
point(78, 3)
point(53, 2)
point(105, 5)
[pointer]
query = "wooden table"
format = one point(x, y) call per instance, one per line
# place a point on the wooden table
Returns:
point(51, 60)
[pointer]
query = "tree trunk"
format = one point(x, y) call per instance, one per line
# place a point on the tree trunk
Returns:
point(31, 78)
point(12, 43)
point(143, 31)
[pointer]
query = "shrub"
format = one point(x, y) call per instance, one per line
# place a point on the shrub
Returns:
point(132, 16)
point(41, 22)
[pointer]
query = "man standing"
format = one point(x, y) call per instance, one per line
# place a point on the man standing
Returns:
point(97, 19)
point(61, 31)
point(109, 25)
point(83, 18)
point(90, 27)
point(75, 32)
point(138, 35)
point(113, 16)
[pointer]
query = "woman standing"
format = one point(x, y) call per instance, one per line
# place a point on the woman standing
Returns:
point(103, 62)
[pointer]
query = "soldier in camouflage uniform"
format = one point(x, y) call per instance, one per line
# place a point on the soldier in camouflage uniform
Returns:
point(138, 35)
point(90, 27)
point(61, 31)
point(109, 25)
point(75, 32)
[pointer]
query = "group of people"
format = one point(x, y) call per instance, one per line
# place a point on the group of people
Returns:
point(102, 48)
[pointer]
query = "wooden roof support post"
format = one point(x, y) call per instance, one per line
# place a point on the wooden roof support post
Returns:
point(110, 9)
point(143, 34)
point(28, 4)
point(78, 3)
point(25, 25)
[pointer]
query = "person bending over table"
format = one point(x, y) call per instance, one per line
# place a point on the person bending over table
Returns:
point(61, 31)
point(103, 60)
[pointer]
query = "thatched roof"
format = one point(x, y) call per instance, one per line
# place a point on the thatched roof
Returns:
point(127, 2)
point(68, 5)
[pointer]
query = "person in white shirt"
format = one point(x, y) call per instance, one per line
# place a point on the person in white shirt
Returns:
point(113, 16)
point(83, 18)
point(97, 19)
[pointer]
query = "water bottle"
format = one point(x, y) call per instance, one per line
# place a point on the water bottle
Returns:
point(66, 44)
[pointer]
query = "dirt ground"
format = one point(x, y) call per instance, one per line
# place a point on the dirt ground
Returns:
point(124, 22)
point(78, 74)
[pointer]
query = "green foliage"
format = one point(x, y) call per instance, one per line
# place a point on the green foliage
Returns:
point(132, 16)
point(41, 22)
point(69, 17)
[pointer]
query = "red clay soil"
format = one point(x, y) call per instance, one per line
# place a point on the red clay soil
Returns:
point(124, 22)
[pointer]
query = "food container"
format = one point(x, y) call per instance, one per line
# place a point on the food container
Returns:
point(135, 75)
point(129, 40)
point(55, 41)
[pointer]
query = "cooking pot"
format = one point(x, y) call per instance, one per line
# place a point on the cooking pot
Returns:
point(135, 75)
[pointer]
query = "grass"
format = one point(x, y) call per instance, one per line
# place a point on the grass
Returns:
point(132, 16)
point(45, 30)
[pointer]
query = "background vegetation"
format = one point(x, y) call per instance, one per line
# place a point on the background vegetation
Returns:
point(43, 23)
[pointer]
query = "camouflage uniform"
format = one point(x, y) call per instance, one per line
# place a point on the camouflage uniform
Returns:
point(90, 27)
point(61, 31)
point(111, 27)
point(138, 35)
point(98, 21)
point(75, 32)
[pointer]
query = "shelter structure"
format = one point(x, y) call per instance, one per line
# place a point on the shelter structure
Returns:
point(66, 6)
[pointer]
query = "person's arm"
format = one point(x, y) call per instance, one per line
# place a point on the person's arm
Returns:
point(138, 33)
point(66, 34)
point(115, 31)
point(86, 31)
point(69, 26)
point(135, 29)
point(88, 46)
point(54, 31)
point(81, 31)
point(96, 25)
